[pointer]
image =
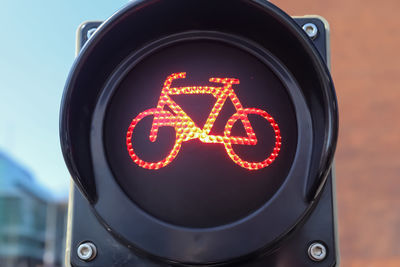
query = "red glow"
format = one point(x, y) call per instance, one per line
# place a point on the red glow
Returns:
point(186, 129)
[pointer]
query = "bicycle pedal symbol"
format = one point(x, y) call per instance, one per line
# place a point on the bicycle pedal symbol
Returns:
point(187, 130)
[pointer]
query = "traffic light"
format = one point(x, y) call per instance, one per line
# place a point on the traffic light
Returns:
point(201, 133)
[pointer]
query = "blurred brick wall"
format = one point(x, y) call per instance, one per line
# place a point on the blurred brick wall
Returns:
point(365, 51)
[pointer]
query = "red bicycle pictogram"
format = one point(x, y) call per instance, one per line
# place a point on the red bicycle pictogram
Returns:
point(187, 130)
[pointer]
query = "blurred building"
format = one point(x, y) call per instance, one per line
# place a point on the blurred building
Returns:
point(32, 224)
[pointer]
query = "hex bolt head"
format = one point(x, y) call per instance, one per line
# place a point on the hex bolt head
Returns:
point(311, 30)
point(90, 32)
point(317, 251)
point(87, 251)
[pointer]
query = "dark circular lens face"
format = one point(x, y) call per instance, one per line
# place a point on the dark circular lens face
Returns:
point(200, 133)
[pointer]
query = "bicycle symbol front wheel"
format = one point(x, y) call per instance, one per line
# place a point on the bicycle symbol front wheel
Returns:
point(165, 118)
point(228, 145)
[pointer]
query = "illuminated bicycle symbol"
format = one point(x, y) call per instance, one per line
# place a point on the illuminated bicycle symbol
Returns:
point(187, 130)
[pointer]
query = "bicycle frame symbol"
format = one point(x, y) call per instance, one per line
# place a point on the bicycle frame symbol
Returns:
point(187, 130)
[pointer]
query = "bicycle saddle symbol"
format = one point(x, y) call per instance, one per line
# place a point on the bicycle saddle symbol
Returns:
point(187, 130)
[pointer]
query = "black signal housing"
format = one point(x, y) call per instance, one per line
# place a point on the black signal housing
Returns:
point(252, 232)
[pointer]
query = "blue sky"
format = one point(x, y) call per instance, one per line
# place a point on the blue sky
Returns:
point(37, 43)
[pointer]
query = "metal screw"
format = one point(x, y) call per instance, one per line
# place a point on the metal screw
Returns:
point(311, 30)
point(87, 251)
point(317, 251)
point(90, 32)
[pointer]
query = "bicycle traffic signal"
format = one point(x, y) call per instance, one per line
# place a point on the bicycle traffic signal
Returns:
point(201, 133)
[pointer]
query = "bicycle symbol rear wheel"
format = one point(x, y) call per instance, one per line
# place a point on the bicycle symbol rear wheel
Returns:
point(228, 145)
point(165, 119)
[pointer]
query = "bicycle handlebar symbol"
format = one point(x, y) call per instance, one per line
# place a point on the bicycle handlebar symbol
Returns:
point(187, 130)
